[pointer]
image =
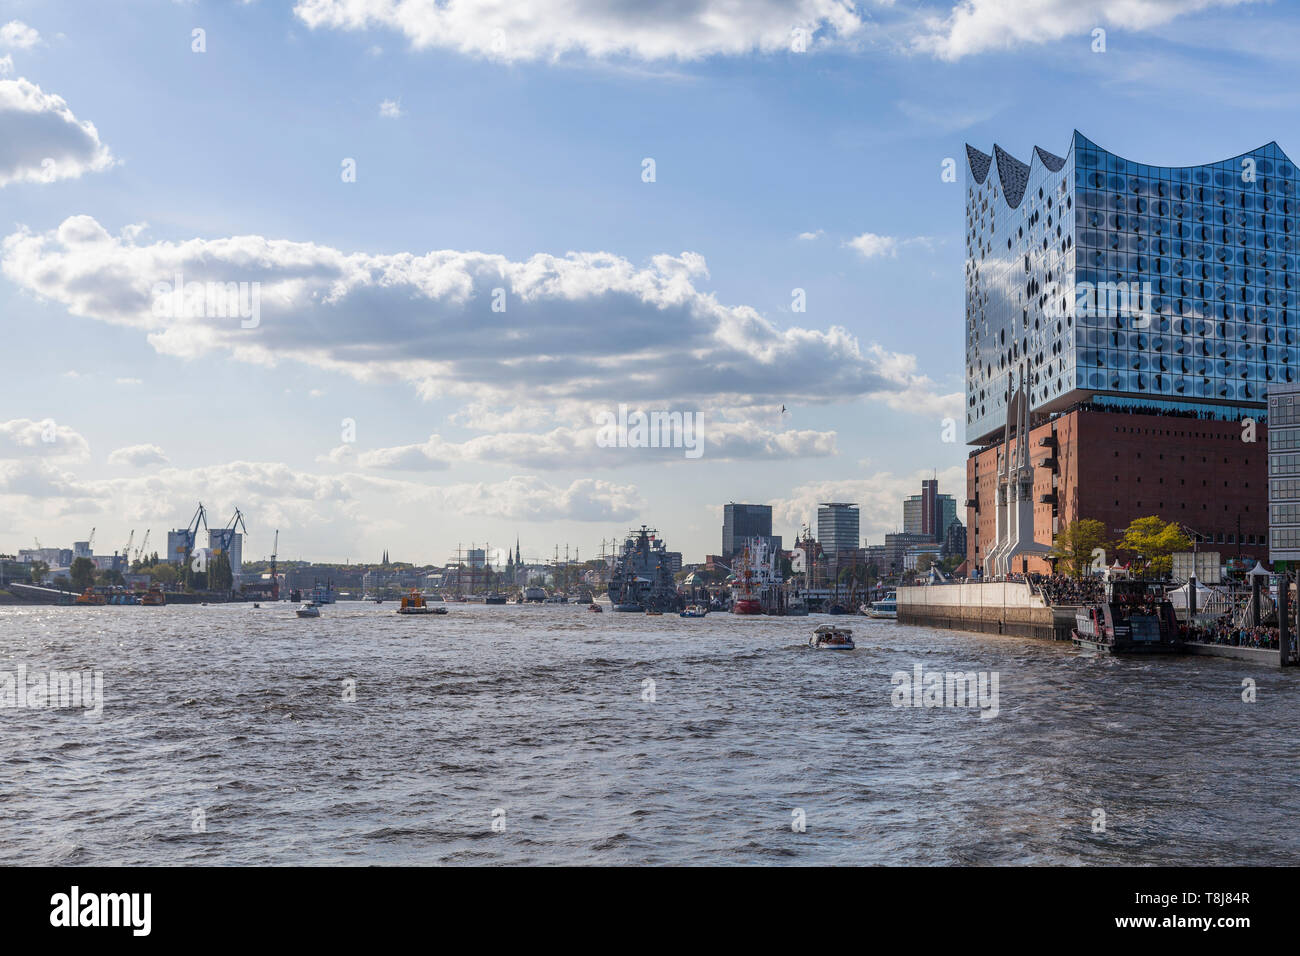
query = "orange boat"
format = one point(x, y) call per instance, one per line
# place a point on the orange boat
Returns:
point(414, 603)
point(154, 597)
point(90, 597)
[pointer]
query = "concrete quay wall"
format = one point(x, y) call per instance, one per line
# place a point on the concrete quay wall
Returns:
point(987, 608)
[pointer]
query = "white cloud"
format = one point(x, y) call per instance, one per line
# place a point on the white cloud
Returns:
point(810, 236)
point(646, 30)
point(138, 456)
point(578, 447)
point(6, 65)
point(675, 346)
point(871, 245)
point(390, 109)
point(18, 35)
point(976, 26)
point(25, 438)
point(40, 138)
point(128, 381)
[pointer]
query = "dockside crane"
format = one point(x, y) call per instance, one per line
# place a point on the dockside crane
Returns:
point(143, 550)
point(191, 531)
point(227, 534)
point(126, 551)
point(275, 582)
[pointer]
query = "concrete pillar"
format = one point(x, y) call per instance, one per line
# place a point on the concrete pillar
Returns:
point(1191, 600)
point(1255, 580)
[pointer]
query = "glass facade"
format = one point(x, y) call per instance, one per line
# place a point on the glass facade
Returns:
point(1101, 276)
point(1284, 473)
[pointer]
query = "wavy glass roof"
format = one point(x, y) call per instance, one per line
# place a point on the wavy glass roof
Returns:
point(1211, 254)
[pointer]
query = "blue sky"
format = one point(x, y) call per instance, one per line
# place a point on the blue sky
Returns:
point(511, 157)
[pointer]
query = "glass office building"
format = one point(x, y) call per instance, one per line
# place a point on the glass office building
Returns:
point(1120, 283)
point(1284, 473)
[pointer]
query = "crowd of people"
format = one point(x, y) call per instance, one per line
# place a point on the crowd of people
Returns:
point(1061, 589)
point(1223, 631)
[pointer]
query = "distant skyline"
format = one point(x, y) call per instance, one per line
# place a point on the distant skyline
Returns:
point(475, 231)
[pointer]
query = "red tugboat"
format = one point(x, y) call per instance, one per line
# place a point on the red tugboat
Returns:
point(1136, 619)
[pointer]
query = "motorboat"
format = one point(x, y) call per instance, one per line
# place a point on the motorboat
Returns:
point(309, 609)
point(629, 608)
point(595, 608)
point(829, 637)
point(693, 610)
point(653, 612)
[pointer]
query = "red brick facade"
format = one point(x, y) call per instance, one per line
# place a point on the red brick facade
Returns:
point(1116, 467)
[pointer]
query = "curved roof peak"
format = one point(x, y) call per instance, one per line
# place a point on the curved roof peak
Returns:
point(1050, 160)
point(1013, 174)
point(979, 163)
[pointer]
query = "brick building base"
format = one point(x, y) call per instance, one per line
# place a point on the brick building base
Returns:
point(1114, 467)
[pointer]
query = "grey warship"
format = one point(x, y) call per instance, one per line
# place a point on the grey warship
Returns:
point(642, 579)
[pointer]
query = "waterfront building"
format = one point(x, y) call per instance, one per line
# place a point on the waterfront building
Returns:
point(1133, 317)
point(837, 526)
point(1284, 473)
point(929, 512)
point(742, 522)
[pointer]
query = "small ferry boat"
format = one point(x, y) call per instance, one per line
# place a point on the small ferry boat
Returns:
point(651, 612)
point(595, 608)
point(414, 603)
point(154, 597)
point(1135, 619)
point(495, 599)
point(310, 609)
point(693, 610)
point(829, 637)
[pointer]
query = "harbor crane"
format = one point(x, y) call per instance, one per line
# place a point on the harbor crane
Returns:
point(191, 530)
point(275, 582)
point(126, 551)
point(141, 551)
point(227, 534)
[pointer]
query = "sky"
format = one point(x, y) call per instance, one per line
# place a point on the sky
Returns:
point(468, 232)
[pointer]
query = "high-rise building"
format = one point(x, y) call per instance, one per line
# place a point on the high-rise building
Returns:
point(1284, 473)
point(1128, 318)
point(745, 521)
point(929, 513)
point(837, 527)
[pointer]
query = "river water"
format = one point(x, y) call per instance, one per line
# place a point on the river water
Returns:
point(534, 735)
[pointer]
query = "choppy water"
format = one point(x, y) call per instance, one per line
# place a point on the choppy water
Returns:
point(538, 711)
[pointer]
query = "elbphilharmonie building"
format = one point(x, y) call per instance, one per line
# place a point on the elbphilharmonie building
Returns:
point(1119, 283)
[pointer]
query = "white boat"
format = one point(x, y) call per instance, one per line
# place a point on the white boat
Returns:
point(829, 637)
point(885, 608)
point(310, 609)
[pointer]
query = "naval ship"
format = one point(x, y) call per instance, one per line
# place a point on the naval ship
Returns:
point(642, 579)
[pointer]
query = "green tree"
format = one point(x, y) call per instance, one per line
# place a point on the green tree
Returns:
point(111, 576)
point(82, 573)
point(1153, 541)
point(1075, 543)
point(220, 577)
point(38, 570)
